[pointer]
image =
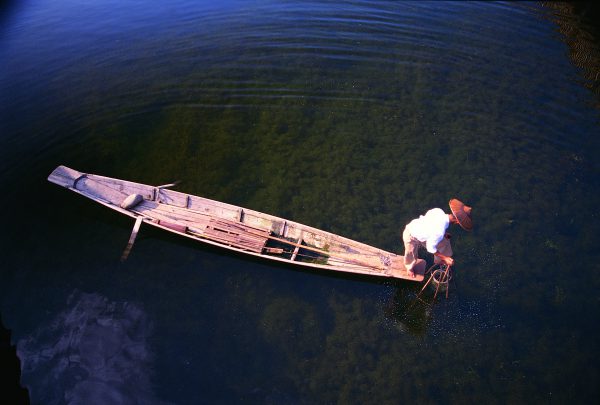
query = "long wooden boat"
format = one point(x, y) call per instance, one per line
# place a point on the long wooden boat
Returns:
point(234, 228)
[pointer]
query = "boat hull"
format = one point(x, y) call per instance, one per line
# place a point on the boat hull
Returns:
point(236, 228)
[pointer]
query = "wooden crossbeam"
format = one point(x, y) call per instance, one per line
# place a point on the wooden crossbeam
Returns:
point(298, 246)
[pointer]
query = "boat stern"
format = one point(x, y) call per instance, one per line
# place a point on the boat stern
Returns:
point(64, 176)
point(399, 271)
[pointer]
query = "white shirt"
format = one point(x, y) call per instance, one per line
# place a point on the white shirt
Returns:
point(430, 228)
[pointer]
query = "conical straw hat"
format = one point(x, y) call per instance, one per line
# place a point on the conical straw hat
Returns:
point(462, 212)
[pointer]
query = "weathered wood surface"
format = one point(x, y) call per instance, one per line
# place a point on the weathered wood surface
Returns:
point(134, 232)
point(237, 235)
point(233, 227)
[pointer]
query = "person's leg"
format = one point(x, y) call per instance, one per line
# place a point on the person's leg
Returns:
point(411, 251)
point(445, 248)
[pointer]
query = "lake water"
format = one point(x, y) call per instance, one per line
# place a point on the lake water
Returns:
point(350, 116)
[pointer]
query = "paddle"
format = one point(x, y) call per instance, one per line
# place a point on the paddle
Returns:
point(134, 232)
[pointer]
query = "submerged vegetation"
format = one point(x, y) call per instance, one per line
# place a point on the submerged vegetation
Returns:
point(363, 169)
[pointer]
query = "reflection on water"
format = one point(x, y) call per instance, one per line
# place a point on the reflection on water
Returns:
point(409, 312)
point(95, 351)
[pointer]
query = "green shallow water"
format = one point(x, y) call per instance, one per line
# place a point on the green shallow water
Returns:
point(352, 117)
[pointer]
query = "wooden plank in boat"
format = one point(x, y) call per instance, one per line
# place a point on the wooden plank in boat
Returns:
point(239, 227)
point(123, 186)
point(239, 241)
point(155, 214)
point(237, 234)
point(101, 190)
point(214, 208)
point(176, 211)
point(174, 226)
point(173, 198)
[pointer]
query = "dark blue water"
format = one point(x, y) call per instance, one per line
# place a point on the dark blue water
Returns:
point(350, 116)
